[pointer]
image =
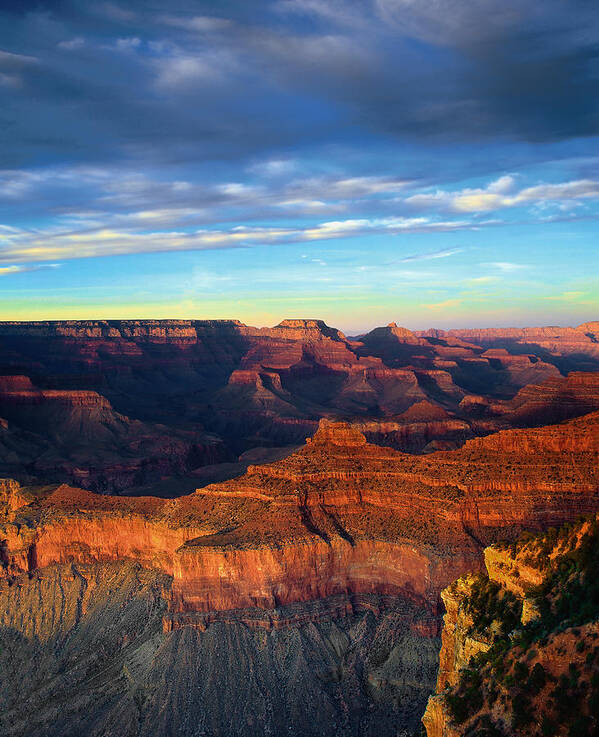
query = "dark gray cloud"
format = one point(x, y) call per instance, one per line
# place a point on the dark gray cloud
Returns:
point(195, 81)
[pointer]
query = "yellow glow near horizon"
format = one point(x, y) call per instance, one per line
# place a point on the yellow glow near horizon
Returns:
point(360, 314)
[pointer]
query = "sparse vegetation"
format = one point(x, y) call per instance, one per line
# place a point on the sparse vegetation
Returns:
point(512, 672)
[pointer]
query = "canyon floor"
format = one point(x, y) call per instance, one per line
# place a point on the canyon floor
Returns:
point(212, 529)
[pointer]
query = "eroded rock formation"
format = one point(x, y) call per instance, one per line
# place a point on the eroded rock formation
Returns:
point(252, 387)
point(338, 517)
point(570, 348)
point(325, 566)
point(76, 435)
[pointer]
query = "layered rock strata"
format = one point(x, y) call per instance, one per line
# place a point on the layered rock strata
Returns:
point(83, 652)
point(58, 434)
point(73, 394)
point(247, 384)
point(338, 517)
point(569, 347)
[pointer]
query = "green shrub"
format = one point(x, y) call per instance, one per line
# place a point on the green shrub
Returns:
point(580, 727)
point(537, 679)
point(548, 727)
point(522, 714)
point(568, 598)
point(485, 727)
point(458, 708)
point(488, 603)
point(520, 671)
point(590, 657)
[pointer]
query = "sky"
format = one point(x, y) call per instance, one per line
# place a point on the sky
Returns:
point(429, 162)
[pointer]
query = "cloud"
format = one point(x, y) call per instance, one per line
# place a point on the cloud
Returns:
point(309, 207)
point(132, 128)
point(338, 12)
point(502, 185)
point(501, 194)
point(21, 268)
point(431, 255)
point(198, 23)
point(27, 246)
point(352, 187)
point(274, 167)
point(492, 197)
point(117, 12)
point(108, 195)
point(181, 70)
point(9, 80)
point(10, 60)
point(446, 304)
point(567, 296)
point(72, 44)
point(469, 25)
point(481, 279)
point(12, 67)
point(477, 202)
point(311, 73)
point(154, 213)
point(505, 266)
point(336, 189)
point(581, 189)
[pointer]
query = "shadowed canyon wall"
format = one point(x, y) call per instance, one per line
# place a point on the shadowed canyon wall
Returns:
point(116, 405)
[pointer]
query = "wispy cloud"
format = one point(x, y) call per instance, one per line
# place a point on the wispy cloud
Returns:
point(72, 44)
point(12, 67)
point(115, 211)
point(182, 70)
point(21, 268)
point(481, 280)
point(446, 304)
point(47, 245)
point(574, 296)
point(432, 255)
point(505, 266)
point(198, 23)
point(502, 193)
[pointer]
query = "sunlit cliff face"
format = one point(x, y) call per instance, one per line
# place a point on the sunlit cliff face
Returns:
point(340, 516)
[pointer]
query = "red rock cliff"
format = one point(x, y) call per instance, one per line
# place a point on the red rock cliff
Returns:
point(338, 516)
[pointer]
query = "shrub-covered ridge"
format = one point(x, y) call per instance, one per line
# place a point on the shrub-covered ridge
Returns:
point(537, 673)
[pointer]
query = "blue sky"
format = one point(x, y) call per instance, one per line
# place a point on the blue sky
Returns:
point(433, 162)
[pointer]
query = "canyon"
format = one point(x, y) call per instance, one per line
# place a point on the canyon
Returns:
point(337, 517)
point(264, 505)
point(164, 399)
